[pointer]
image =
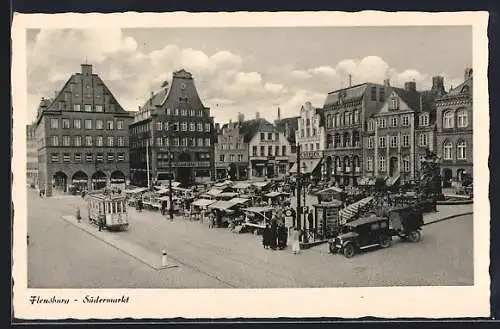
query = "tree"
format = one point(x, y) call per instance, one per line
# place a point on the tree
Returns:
point(430, 178)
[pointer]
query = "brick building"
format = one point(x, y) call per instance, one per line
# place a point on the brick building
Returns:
point(231, 151)
point(82, 136)
point(454, 131)
point(173, 120)
point(31, 155)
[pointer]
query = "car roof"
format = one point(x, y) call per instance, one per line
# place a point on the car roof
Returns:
point(366, 220)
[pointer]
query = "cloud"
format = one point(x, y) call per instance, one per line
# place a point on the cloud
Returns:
point(275, 87)
point(325, 70)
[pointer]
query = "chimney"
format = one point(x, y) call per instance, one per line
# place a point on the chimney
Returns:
point(86, 69)
point(468, 73)
point(279, 114)
point(411, 86)
point(350, 80)
point(438, 85)
point(421, 105)
point(257, 115)
point(387, 82)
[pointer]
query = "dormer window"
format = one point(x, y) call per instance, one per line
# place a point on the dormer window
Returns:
point(424, 120)
point(394, 103)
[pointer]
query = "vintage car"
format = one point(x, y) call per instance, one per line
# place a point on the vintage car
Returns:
point(360, 234)
point(406, 222)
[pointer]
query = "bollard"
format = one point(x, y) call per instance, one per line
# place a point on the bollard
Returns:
point(28, 239)
point(164, 258)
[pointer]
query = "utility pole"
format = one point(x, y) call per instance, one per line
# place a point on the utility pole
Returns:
point(299, 188)
point(170, 174)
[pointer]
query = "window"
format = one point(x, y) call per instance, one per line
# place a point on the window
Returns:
point(78, 157)
point(283, 150)
point(99, 108)
point(314, 132)
point(109, 125)
point(382, 123)
point(312, 147)
point(111, 141)
point(394, 121)
point(99, 141)
point(406, 140)
point(66, 124)
point(191, 113)
point(254, 151)
point(447, 150)
point(200, 141)
point(200, 126)
point(240, 157)
point(77, 124)
point(184, 126)
point(270, 136)
point(207, 141)
point(119, 124)
point(207, 127)
point(422, 138)
point(381, 163)
point(176, 126)
point(169, 111)
point(66, 141)
point(276, 150)
point(121, 156)
point(461, 149)
point(448, 121)
point(302, 133)
point(77, 107)
point(406, 164)
point(394, 103)
point(381, 141)
point(462, 119)
point(99, 124)
point(262, 151)
point(88, 108)
point(54, 123)
point(88, 140)
point(371, 125)
point(184, 112)
point(184, 141)
point(373, 92)
point(329, 122)
point(121, 141)
point(355, 116)
point(192, 126)
point(317, 146)
point(88, 124)
point(394, 141)
point(54, 157)
point(159, 126)
point(369, 164)
point(175, 141)
point(262, 136)
point(111, 157)
point(347, 118)
point(66, 157)
point(370, 142)
point(99, 157)
point(78, 140)
point(222, 157)
point(176, 111)
point(424, 120)
point(270, 151)
point(54, 140)
point(406, 120)
point(381, 92)
point(337, 120)
point(89, 157)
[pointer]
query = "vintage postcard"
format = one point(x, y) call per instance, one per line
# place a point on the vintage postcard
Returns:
point(263, 165)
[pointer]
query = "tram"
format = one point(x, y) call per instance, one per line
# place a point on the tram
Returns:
point(111, 209)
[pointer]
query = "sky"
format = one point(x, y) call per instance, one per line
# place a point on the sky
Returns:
point(246, 70)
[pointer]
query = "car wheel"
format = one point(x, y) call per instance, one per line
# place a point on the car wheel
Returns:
point(386, 241)
point(349, 251)
point(414, 236)
point(332, 248)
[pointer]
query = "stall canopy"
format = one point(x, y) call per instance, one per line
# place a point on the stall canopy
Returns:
point(365, 181)
point(214, 192)
point(309, 167)
point(242, 185)
point(175, 184)
point(275, 194)
point(224, 184)
point(239, 200)
point(162, 191)
point(203, 202)
point(227, 195)
point(137, 190)
point(260, 184)
point(221, 205)
point(258, 209)
point(330, 189)
point(180, 189)
point(166, 198)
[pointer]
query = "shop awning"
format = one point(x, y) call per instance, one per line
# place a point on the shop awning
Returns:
point(310, 166)
point(203, 202)
point(221, 205)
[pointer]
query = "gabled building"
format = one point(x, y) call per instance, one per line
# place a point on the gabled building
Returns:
point(288, 126)
point(347, 111)
point(311, 137)
point(454, 131)
point(268, 149)
point(173, 123)
point(82, 136)
point(31, 155)
point(231, 151)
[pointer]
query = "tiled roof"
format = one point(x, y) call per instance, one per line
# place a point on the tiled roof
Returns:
point(464, 88)
point(349, 93)
point(251, 127)
point(292, 124)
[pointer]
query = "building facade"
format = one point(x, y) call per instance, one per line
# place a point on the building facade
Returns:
point(231, 151)
point(173, 123)
point(347, 111)
point(454, 132)
point(288, 126)
point(269, 149)
point(31, 155)
point(82, 136)
point(311, 137)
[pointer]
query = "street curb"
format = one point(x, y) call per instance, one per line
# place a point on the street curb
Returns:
point(449, 217)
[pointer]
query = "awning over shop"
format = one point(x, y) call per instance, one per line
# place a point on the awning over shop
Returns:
point(180, 189)
point(310, 166)
point(221, 205)
point(203, 202)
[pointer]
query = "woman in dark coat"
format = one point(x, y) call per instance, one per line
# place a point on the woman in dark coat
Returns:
point(274, 234)
point(266, 236)
point(282, 236)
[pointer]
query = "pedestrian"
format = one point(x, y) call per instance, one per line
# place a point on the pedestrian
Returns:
point(274, 234)
point(282, 236)
point(100, 222)
point(310, 219)
point(163, 207)
point(295, 240)
point(266, 236)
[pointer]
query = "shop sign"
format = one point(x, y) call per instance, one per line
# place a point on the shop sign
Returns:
point(191, 164)
point(311, 154)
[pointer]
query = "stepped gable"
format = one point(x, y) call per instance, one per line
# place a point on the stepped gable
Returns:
point(346, 94)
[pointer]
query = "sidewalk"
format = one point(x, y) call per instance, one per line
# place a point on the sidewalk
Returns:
point(448, 212)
